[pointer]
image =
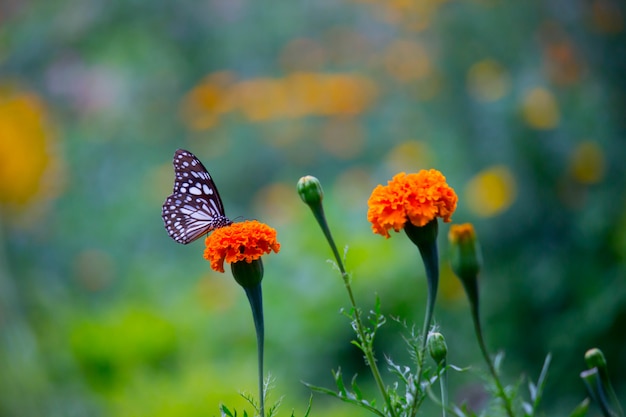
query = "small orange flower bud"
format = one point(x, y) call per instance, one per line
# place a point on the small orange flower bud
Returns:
point(465, 251)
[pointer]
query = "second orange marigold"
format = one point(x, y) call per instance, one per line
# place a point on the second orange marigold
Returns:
point(418, 198)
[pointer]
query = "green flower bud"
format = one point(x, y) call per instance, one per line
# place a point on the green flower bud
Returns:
point(465, 261)
point(248, 274)
point(437, 347)
point(595, 359)
point(465, 251)
point(310, 190)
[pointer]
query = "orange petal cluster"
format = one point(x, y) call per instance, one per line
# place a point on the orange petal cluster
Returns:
point(243, 241)
point(461, 233)
point(418, 198)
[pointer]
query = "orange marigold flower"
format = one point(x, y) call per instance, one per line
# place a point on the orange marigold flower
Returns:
point(244, 241)
point(418, 198)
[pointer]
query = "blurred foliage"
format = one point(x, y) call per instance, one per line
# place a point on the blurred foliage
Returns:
point(520, 104)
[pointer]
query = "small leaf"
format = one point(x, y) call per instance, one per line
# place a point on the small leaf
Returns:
point(532, 389)
point(497, 361)
point(544, 371)
point(308, 409)
point(581, 409)
point(339, 382)
point(458, 369)
point(224, 411)
point(528, 409)
point(357, 391)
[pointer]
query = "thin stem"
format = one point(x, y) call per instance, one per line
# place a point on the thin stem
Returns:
point(443, 383)
point(256, 303)
point(492, 369)
point(369, 355)
point(430, 258)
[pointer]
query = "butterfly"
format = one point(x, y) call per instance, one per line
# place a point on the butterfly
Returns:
point(194, 208)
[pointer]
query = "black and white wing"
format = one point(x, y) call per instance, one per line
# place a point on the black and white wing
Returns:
point(195, 207)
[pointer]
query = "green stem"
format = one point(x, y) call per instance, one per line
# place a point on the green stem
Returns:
point(367, 350)
point(443, 383)
point(429, 256)
point(255, 297)
point(431, 265)
point(492, 369)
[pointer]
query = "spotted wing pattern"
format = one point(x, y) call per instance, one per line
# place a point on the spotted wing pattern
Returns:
point(195, 207)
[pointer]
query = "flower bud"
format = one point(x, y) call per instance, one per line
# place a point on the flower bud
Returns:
point(248, 274)
point(465, 251)
point(437, 347)
point(310, 190)
point(595, 359)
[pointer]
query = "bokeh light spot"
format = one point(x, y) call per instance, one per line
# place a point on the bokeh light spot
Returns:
point(297, 95)
point(29, 166)
point(487, 80)
point(409, 156)
point(587, 163)
point(205, 103)
point(540, 109)
point(407, 61)
point(491, 191)
point(607, 16)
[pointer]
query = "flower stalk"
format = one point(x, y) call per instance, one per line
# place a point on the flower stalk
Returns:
point(466, 260)
point(599, 384)
point(242, 245)
point(311, 192)
point(439, 351)
point(425, 238)
point(413, 202)
point(249, 276)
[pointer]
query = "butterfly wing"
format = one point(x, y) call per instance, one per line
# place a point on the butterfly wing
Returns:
point(194, 208)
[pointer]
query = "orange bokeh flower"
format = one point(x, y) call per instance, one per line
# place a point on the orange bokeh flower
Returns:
point(418, 198)
point(244, 241)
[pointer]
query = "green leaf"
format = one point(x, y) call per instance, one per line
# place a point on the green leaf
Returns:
point(581, 409)
point(339, 382)
point(224, 411)
point(308, 409)
point(355, 388)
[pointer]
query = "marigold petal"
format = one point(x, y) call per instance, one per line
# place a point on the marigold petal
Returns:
point(243, 241)
point(417, 197)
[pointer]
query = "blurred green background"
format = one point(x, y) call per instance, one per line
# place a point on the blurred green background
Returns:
point(522, 105)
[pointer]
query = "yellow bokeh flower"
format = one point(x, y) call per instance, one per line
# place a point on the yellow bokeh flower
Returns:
point(540, 109)
point(587, 163)
point(491, 191)
point(487, 81)
point(25, 148)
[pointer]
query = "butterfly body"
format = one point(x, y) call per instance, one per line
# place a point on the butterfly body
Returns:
point(194, 208)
